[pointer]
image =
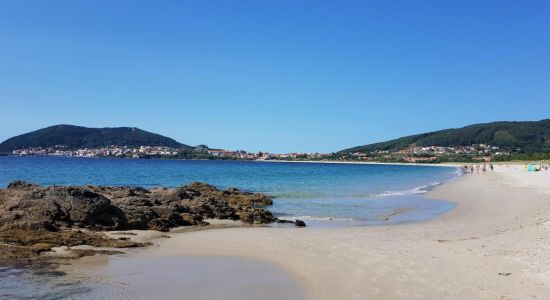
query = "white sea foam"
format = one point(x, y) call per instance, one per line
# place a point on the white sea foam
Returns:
point(314, 218)
point(414, 191)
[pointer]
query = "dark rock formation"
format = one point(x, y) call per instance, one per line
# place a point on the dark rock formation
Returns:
point(299, 223)
point(32, 207)
point(20, 247)
point(33, 218)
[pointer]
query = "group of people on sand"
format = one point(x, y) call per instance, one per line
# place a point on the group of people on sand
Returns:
point(483, 168)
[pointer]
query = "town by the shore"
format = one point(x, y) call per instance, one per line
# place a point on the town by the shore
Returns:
point(493, 245)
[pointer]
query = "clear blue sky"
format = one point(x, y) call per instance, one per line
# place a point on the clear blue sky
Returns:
point(274, 76)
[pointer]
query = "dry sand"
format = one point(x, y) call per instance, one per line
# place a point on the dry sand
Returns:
point(494, 245)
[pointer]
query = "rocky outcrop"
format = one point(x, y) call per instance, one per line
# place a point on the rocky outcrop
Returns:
point(34, 218)
point(21, 247)
point(32, 207)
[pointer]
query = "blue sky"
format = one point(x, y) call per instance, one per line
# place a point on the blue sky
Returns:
point(274, 76)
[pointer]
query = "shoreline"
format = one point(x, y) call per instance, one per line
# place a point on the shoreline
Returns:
point(364, 163)
point(491, 245)
point(445, 164)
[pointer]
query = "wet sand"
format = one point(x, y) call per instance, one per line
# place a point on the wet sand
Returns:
point(141, 276)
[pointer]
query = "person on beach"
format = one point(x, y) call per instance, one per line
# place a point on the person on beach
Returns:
point(477, 169)
point(472, 169)
point(484, 169)
point(491, 166)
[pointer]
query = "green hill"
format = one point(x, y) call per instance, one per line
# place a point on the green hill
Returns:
point(77, 137)
point(529, 137)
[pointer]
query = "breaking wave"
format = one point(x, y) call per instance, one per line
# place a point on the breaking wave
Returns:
point(414, 191)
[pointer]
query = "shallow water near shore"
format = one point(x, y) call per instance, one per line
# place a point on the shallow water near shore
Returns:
point(32, 284)
point(135, 277)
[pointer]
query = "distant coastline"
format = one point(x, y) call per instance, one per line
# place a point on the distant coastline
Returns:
point(478, 143)
point(432, 164)
point(319, 161)
point(448, 164)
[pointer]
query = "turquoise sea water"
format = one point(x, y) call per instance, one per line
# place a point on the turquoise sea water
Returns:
point(321, 194)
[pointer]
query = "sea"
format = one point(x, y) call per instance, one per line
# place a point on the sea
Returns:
point(321, 194)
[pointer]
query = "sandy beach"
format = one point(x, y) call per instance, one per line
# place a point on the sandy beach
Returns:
point(493, 245)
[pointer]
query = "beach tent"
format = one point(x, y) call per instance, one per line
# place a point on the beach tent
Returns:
point(532, 168)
